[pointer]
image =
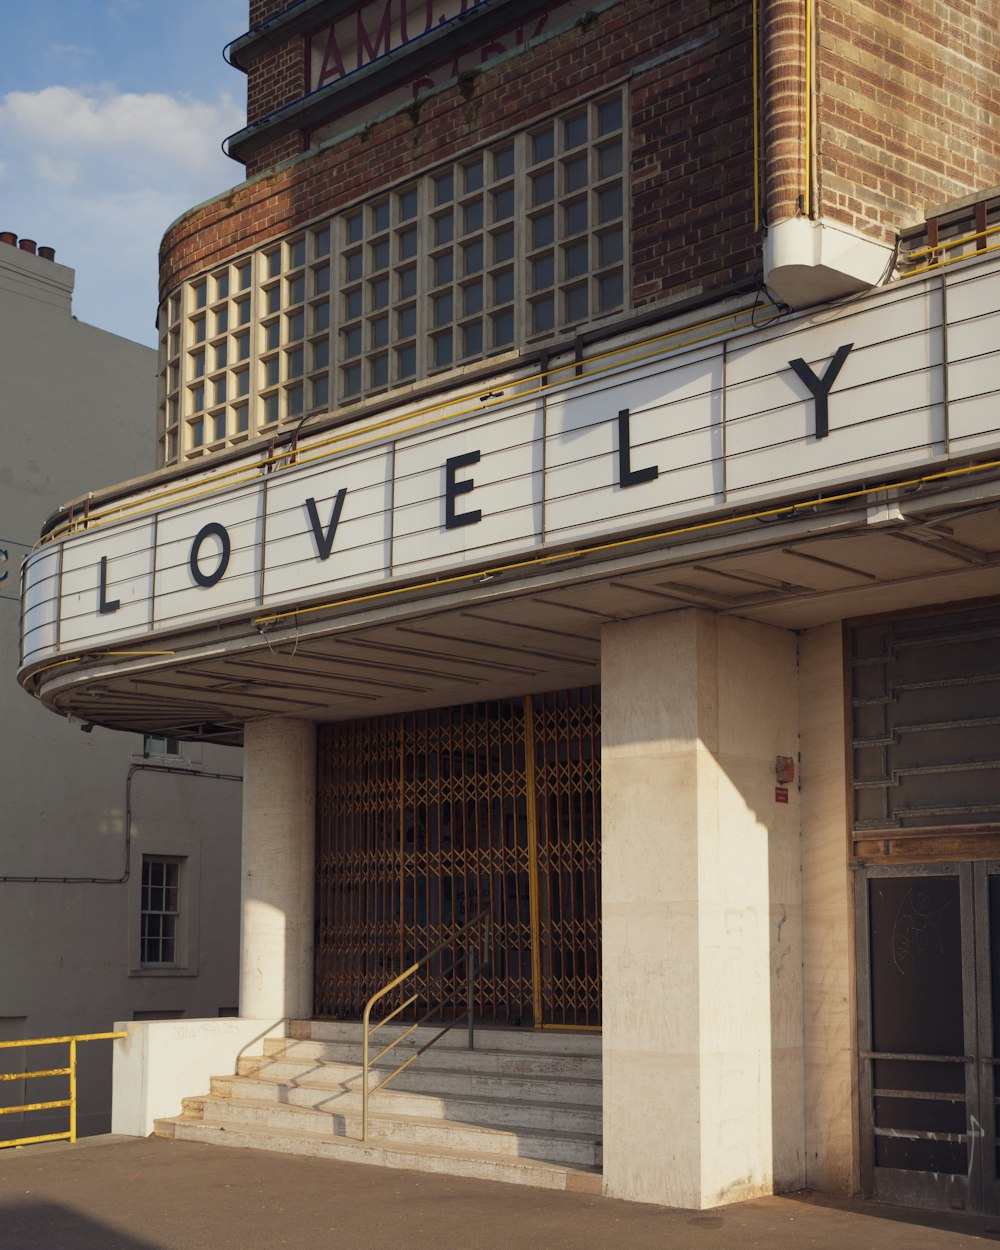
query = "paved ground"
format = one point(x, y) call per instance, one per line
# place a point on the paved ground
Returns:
point(116, 1193)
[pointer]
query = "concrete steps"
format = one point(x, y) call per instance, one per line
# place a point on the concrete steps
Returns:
point(506, 1112)
point(431, 1079)
point(522, 1107)
point(497, 1059)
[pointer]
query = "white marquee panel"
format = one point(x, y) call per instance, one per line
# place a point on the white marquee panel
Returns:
point(972, 294)
point(507, 491)
point(128, 582)
point(179, 598)
point(674, 425)
point(40, 603)
point(361, 545)
point(724, 425)
point(973, 361)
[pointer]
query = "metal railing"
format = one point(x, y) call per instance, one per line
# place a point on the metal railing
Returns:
point(369, 1030)
point(69, 1070)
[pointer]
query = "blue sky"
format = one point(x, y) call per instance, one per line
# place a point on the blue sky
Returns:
point(111, 117)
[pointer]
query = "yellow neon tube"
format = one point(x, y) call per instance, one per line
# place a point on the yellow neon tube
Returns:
point(231, 477)
point(951, 260)
point(948, 244)
point(578, 552)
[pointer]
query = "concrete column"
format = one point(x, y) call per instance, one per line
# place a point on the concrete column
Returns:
point(828, 933)
point(703, 1082)
point(279, 822)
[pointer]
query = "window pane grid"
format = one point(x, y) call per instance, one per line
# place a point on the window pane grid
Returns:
point(159, 911)
point(502, 249)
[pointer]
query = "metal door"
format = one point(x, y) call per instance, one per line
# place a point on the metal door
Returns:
point(986, 880)
point(428, 817)
point(928, 959)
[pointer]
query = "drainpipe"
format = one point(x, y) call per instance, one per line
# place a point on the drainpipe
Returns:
point(787, 108)
point(808, 258)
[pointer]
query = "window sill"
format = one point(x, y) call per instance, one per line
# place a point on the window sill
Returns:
point(168, 761)
point(163, 972)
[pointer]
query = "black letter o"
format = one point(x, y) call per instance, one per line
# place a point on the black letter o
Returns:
point(222, 534)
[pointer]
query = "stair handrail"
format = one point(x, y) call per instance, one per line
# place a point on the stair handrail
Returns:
point(70, 1039)
point(484, 918)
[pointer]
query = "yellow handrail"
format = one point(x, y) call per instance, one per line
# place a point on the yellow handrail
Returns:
point(69, 1070)
point(368, 1031)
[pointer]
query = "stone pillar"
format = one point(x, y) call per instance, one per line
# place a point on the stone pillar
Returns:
point(828, 933)
point(278, 869)
point(703, 1083)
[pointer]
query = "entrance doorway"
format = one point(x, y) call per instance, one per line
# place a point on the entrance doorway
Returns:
point(425, 819)
point(929, 1015)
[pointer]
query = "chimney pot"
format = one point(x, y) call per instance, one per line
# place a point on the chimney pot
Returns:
point(8, 236)
point(47, 253)
point(28, 245)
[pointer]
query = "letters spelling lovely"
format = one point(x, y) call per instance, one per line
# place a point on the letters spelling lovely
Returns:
point(455, 487)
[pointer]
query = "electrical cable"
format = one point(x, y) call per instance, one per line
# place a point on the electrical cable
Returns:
point(135, 768)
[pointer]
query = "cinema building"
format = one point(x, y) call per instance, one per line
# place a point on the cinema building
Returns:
point(580, 494)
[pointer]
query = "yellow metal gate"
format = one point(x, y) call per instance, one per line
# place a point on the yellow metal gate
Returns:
point(426, 818)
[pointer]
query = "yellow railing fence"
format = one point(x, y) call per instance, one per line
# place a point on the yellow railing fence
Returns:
point(70, 1070)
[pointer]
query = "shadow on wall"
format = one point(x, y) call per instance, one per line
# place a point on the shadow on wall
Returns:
point(44, 1225)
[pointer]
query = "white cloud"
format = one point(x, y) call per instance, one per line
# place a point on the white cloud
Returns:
point(99, 175)
point(59, 170)
point(143, 131)
point(74, 55)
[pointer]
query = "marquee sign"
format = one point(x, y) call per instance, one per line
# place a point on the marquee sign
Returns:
point(359, 37)
point(390, 28)
point(788, 411)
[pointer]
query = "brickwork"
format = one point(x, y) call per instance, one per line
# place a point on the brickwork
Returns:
point(908, 100)
point(692, 165)
point(277, 77)
point(261, 10)
point(691, 180)
point(784, 114)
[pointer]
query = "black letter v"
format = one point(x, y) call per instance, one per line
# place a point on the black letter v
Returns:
point(324, 538)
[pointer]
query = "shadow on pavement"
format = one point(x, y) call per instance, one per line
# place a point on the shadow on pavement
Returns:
point(49, 1226)
point(971, 1224)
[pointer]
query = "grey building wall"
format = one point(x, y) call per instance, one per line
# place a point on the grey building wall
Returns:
point(75, 412)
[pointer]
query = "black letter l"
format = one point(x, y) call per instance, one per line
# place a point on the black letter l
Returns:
point(106, 605)
point(627, 476)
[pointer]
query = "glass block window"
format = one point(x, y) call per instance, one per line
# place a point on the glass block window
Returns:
point(160, 910)
point(502, 249)
point(202, 346)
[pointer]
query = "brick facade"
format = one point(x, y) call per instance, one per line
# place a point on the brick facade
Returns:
point(908, 94)
point(277, 77)
point(903, 110)
point(689, 74)
point(261, 10)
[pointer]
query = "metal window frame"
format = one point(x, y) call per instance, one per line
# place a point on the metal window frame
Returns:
point(278, 403)
point(150, 861)
point(980, 1188)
